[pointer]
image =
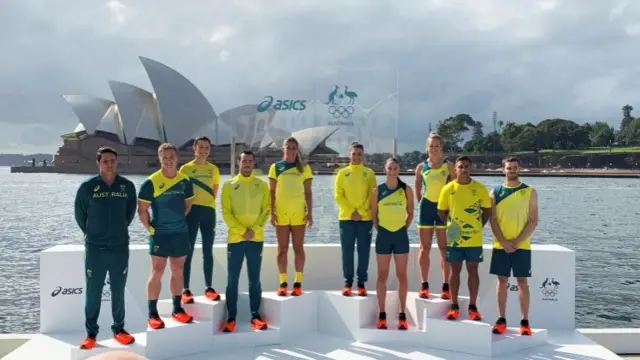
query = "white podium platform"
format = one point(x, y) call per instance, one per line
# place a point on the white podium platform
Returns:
point(320, 324)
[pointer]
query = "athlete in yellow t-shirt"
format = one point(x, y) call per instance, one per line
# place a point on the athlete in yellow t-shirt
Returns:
point(205, 177)
point(291, 210)
point(430, 177)
point(392, 213)
point(464, 203)
point(246, 203)
point(352, 192)
point(513, 220)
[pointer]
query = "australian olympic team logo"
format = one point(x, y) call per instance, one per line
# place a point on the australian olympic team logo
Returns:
point(340, 102)
point(549, 289)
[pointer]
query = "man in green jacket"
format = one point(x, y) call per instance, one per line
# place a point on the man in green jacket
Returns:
point(105, 205)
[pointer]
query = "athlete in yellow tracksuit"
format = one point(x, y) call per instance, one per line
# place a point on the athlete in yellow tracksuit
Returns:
point(352, 192)
point(246, 204)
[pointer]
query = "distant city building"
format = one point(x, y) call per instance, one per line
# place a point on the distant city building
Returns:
point(137, 121)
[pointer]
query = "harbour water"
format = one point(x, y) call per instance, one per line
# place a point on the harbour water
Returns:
point(595, 217)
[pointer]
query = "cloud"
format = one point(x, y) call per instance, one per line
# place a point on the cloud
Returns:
point(526, 59)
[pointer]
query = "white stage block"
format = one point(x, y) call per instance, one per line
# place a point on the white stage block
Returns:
point(293, 315)
point(66, 346)
point(202, 308)
point(139, 347)
point(343, 316)
point(477, 337)
point(418, 308)
point(178, 339)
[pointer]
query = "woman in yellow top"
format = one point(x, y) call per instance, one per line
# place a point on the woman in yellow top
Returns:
point(392, 213)
point(291, 210)
point(205, 177)
point(430, 177)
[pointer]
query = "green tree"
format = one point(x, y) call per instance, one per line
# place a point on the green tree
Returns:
point(562, 134)
point(601, 134)
point(452, 128)
point(630, 135)
point(626, 116)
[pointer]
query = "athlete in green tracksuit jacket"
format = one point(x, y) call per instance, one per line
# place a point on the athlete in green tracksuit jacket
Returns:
point(105, 205)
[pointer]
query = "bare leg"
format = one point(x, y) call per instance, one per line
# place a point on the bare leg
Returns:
point(523, 297)
point(426, 235)
point(473, 282)
point(401, 261)
point(501, 295)
point(154, 284)
point(381, 284)
point(297, 239)
point(176, 265)
point(454, 281)
point(441, 236)
point(282, 236)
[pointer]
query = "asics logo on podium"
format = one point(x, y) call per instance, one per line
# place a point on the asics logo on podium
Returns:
point(281, 105)
point(59, 290)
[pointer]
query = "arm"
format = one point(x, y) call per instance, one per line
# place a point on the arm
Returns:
point(132, 201)
point(273, 185)
point(145, 197)
point(443, 203)
point(418, 180)
point(410, 209)
point(371, 185)
point(495, 228)
point(264, 210)
point(80, 208)
point(227, 209)
point(338, 195)
point(189, 195)
point(374, 207)
point(533, 219)
point(308, 179)
point(485, 205)
point(216, 182)
point(452, 171)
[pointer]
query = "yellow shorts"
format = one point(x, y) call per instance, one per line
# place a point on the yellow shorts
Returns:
point(291, 218)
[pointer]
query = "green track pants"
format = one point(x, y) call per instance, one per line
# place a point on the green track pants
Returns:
point(98, 262)
point(201, 218)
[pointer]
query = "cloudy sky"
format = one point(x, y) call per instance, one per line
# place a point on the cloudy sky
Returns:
point(526, 59)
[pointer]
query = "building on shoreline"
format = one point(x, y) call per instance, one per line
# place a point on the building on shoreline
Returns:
point(137, 121)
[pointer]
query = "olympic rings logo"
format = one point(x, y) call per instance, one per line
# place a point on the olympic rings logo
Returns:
point(549, 292)
point(341, 111)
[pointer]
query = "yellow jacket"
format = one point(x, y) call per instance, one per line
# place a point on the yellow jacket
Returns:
point(352, 191)
point(246, 204)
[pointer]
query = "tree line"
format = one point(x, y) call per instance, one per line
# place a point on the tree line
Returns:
point(511, 137)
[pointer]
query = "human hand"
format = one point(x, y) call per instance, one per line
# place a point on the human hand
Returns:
point(274, 218)
point(309, 220)
point(356, 216)
point(248, 235)
point(509, 246)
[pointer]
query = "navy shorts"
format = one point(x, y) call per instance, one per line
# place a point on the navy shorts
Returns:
point(518, 262)
point(392, 242)
point(461, 254)
point(429, 218)
point(169, 245)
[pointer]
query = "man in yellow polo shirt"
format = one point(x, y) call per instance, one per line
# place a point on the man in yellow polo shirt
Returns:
point(205, 177)
point(352, 192)
point(465, 206)
point(513, 220)
point(246, 205)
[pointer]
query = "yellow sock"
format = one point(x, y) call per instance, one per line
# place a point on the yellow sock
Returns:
point(297, 277)
point(283, 278)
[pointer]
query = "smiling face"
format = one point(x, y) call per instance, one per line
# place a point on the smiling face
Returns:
point(511, 169)
point(356, 155)
point(434, 147)
point(290, 151)
point(168, 159)
point(202, 149)
point(246, 163)
point(392, 169)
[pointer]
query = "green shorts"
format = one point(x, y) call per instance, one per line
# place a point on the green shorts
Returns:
point(461, 254)
point(504, 264)
point(169, 245)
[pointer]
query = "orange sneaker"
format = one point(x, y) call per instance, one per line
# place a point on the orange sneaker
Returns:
point(474, 314)
point(423, 293)
point(346, 291)
point(402, 322)
point(362, 291)
point(155, 322)
point(525, 329)
point(382, 324)
point(182, 317)
point(187, 297)
point(124, 337)
point(282, 290)
point(258, 324)
point(211, 294)
point(500, 326)
point(445, 293)
point(229, 326)
point(297, 289)
point(88, 343)
point(453, 313)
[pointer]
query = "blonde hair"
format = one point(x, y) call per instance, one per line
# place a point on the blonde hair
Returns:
point(435, 135)
point(167, 146)
point(299, 163)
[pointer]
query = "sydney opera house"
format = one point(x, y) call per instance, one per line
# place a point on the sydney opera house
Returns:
point(136, 121)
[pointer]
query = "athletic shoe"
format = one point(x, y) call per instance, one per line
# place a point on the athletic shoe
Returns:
point(525, 329)
point(123, 337)
point(282, 290)
point(211, 294)
point(187, 297)
point(88, 343)
point(297, 289)
point(500, 326)
point(453, 313)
